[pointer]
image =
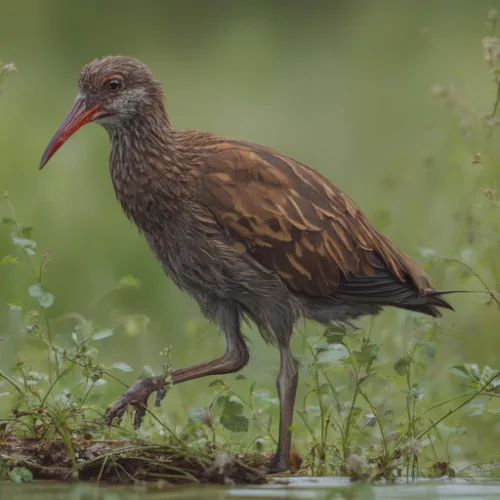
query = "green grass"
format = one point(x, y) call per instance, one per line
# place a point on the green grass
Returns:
point(402, 396)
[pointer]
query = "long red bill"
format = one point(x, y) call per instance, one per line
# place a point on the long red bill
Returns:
point(78, 116)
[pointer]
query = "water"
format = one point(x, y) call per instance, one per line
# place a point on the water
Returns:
point(298, 488)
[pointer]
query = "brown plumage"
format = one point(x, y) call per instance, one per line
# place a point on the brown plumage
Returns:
point(245, 230)
point(296, 223)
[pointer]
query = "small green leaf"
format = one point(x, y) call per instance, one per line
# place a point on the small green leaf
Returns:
point(20, 475)
point(217, 383)
point(331, 353)
point(335, 329)
point(25, 231)
point(129, 282)
point(416, 392)
point(477, 412)
point(241, 377)
point(467, 370)
point(401, 366)
point(321, 346)
point(264, 395)
point(26, 243)
point(232, 408)
point(103, 334)
point(356, 413)
point(9, 259)
point(35, 291)
point(197, 415)
point(147, 371)
point(235, 423)
point(122, 366)
point(46, 300)
point(368, 354)
point(460, 370)
point(431, 349)
point(335, 334)
point(7, 220)
point(231, 417)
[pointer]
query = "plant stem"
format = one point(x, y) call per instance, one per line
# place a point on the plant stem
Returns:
point(58, 377)
point(345, 444)
point(249, 404)
point(13, 383)
point(38, 279)
point(493, 295)
point(461, 405)
point(433, 407)
point(497, 100)
point(377, 418)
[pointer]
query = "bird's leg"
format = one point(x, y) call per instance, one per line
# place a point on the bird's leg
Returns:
point(233, 360)
point(287, 389)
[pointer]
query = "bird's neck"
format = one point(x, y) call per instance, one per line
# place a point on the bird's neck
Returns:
point(148, 166)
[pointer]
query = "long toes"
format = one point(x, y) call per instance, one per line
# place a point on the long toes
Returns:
point(276, 466)
point(136, 396)
point(160, 395)
point(140, 411)
point(115, 411)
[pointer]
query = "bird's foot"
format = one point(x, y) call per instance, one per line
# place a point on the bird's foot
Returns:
point(278, 464)
point(137, 397)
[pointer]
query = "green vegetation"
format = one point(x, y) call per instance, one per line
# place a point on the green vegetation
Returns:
point(402, 396)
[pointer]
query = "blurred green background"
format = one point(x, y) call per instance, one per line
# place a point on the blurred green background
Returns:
point(342, 86)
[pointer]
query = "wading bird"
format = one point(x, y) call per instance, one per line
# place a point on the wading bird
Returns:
point(245, 230)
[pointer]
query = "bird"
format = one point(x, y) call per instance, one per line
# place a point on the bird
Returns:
point(250, 233)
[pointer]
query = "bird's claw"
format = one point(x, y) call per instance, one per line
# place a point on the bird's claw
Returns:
point(160, 395)
point(137, 397)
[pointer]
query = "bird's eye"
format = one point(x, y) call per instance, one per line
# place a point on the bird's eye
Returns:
point(113, 84)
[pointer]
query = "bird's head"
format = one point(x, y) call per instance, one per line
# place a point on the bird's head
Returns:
point(112, 91)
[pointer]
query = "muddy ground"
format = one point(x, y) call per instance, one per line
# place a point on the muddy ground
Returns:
point(127, 462)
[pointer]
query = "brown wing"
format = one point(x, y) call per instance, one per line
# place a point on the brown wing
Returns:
point(295, 222)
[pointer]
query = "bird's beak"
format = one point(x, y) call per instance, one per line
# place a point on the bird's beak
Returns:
point(78, 116)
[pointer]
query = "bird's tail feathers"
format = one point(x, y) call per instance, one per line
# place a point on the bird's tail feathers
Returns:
point(431, 292)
